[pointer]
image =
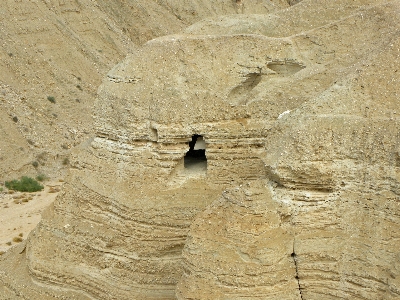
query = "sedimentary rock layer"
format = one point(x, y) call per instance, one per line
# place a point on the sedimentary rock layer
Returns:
point(331, 200)
point(300, 129)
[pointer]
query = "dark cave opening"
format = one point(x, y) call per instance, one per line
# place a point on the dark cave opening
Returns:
point(196, 158)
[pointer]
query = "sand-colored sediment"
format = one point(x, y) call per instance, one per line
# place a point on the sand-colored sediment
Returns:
point(21, 212)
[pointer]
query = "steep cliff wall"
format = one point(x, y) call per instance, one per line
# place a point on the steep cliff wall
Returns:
point(325, 224)
point(300, 129)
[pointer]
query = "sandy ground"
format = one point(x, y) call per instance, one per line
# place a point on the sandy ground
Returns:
point(21, 212)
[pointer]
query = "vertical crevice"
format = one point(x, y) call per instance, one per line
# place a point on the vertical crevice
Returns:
point(294, 256)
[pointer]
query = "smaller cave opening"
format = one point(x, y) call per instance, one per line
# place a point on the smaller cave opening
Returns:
point(154, 134)
point(195, 159)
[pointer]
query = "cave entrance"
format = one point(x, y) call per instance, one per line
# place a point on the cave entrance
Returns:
point(195, 159)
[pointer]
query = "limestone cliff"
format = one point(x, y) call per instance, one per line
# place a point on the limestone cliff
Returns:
point(257, 161)
point(325, 223)
point(62, 49)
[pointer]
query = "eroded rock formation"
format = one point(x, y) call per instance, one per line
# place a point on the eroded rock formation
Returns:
point(63, 49)
point(300, 134)
point(325, 223)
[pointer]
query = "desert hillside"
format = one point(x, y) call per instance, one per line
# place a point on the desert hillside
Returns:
point(54, 54)
point(239, 149)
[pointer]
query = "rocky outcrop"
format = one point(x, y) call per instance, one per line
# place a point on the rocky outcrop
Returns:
point(63, 49)
point(325, 224)
point(297, 132)
point(240, 247)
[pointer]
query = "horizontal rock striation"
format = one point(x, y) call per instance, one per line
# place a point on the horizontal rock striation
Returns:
point(63, 49)
point(235, 166)
point(330, 201)
point(240, 247)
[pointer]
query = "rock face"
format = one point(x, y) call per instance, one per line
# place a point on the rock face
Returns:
point(295, 126)
point(63, 49)
point(325, 224)
point(240, 247)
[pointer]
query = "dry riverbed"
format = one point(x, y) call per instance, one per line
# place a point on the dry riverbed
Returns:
point(21, 212)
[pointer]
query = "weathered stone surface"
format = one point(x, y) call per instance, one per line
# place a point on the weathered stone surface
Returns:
point(63, 49)
point(240, 247)
point(332, 191)
point(300, 130)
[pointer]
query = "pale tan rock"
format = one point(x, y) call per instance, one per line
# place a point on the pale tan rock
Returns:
point(333, 179)
point(63, 49)
point(240, 247)
point(341, 177)
point(284, 119)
